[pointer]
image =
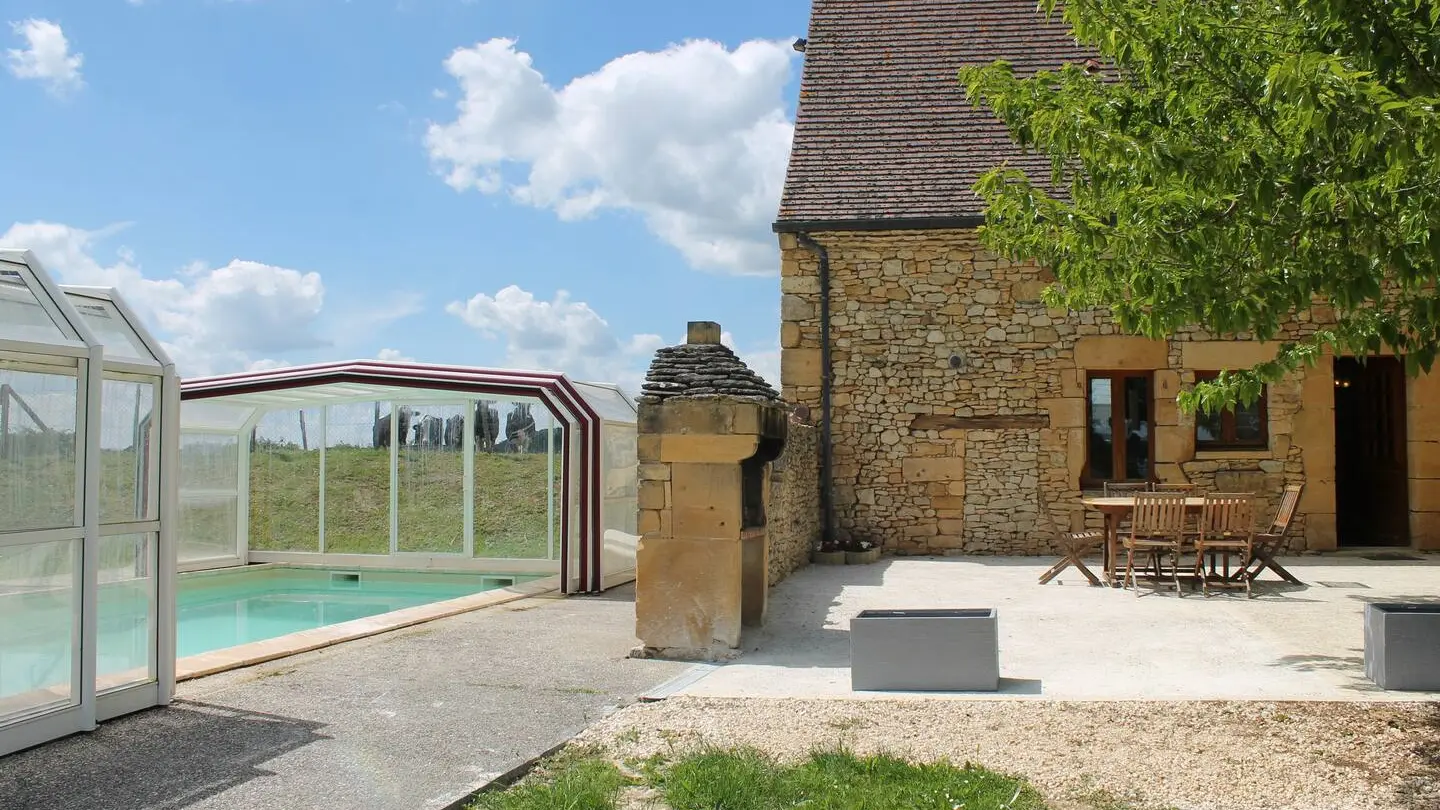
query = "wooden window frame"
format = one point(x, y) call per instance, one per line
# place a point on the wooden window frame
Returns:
point(1227, 440)
point(1117, 425)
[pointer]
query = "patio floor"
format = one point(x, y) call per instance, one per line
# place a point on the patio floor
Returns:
point(411, 719)
point(1069, 641)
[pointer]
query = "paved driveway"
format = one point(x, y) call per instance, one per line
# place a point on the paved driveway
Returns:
point(406, 720)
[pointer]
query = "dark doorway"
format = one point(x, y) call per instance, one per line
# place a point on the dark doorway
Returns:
point(1372, 502)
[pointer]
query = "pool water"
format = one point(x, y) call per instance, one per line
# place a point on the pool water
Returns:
point(215, 610)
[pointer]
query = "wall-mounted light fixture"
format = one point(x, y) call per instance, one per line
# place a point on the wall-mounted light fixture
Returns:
point(957, 362)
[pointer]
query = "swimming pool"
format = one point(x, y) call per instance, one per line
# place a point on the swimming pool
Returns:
point(215, 610)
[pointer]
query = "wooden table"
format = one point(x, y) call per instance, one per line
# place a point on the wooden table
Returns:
point(1115, 508)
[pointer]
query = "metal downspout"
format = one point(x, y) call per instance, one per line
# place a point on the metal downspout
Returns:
point(827, 495)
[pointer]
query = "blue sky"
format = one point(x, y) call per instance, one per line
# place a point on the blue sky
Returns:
point(548, 184)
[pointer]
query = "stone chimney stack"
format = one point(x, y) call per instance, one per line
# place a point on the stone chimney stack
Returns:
point(702, 332)
point(708, 429)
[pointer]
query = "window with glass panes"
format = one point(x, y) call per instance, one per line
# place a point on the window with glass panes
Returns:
point(1243, 427)
point(1119, 435)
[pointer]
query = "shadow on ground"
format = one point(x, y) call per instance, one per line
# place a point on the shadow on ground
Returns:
point(207, 749)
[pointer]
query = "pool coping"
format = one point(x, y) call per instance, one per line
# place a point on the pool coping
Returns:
point(270, 649)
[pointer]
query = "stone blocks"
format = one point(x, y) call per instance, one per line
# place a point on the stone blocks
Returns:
point(703, 562)
point(904, 302)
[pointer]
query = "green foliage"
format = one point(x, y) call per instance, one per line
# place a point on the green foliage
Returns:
point(1230, 165)
point(747, 779)
point(574, 782)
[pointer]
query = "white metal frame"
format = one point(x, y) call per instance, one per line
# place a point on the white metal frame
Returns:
point(79, 352)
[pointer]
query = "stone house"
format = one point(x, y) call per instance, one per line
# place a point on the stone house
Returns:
point(963, 415)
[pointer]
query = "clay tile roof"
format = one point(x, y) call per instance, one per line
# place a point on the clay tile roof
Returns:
point(883, 130)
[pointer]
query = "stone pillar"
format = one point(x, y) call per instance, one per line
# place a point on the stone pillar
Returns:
point(708, 429)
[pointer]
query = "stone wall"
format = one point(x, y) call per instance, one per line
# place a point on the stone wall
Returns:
point(794, 509)
point(960, 400)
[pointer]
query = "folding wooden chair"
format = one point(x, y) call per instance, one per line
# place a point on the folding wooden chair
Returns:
point(1075, 545)
point(1272, 541)
point(1171, 486)
point(1157, 525)
point(1227, 526)
point(1123, 488)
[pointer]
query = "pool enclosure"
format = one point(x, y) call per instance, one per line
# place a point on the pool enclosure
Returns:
point(409, 466)
point(89, 419)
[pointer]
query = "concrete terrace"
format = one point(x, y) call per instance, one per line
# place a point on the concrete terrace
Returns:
point(1069, 641)
point(407, 720)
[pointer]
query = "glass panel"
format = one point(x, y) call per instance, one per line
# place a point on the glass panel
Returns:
point(357, 476)
point(1248, 427)
point(285, 481)
point(127, 434)
point(39, 600)
point(209, 478)
point(21, 316)
point(431, 481)
point(1099, 441)
point(37, 450)
point(555, 483)
point(212, 414)
point(126, 648)
point(1137, 427)
point(209, 526)
point(1209, 426)
point(110, 329)
point(621, 490)
point(512, 484)
point(610, 404)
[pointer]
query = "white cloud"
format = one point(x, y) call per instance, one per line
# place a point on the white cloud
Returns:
point(238, 316)
point(693, 138)
point(571, 337)
point(46, 57)
point(394, 356)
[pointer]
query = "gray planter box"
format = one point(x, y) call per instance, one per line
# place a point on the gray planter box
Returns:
point(942, 650)
point(1402, 645)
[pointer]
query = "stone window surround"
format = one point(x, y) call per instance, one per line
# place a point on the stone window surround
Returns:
point(1227, 421)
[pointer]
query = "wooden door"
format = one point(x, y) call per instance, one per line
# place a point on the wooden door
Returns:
point(1371, 470)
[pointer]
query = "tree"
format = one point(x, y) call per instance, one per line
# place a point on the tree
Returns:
point(1228, 165)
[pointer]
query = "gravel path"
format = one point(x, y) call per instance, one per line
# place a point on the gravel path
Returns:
point(1181, 755)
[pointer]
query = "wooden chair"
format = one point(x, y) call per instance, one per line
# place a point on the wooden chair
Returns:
point(1157, 525)
point(1227, 526)
point(1272, 541)
point(1169, 486)
point(1122, 488)
point(1075, 545)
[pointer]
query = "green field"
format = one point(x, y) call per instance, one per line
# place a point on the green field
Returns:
point(510, 501)
point(37, 491)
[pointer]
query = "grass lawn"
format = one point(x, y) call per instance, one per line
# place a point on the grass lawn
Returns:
point(747, 779)
point(510, 501)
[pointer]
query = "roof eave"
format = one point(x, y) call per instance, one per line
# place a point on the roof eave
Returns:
point(957, 222)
